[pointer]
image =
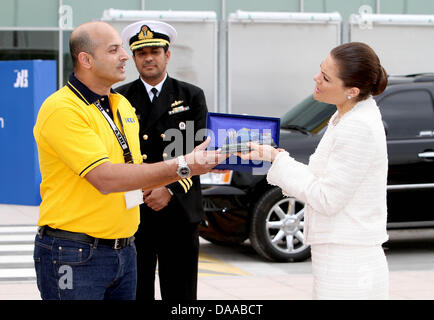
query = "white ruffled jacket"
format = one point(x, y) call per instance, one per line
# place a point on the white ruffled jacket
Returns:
point(344, 185)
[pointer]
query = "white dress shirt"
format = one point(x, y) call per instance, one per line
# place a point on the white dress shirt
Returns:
point(344, 185)
point(149, 87)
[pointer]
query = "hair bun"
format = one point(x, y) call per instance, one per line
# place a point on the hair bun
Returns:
point(359, 66)
point(381, 83)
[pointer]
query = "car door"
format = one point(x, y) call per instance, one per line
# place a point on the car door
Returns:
point(408, 116)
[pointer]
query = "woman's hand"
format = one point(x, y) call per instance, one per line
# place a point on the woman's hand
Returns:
point(260, 152)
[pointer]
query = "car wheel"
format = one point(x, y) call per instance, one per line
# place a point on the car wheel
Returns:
point(277, 225)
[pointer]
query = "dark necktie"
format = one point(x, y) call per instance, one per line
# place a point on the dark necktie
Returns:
point(154, 91)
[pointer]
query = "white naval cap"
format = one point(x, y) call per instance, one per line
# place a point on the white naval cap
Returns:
point(148, 33)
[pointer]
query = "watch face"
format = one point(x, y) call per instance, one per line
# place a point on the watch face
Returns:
point(184, 171)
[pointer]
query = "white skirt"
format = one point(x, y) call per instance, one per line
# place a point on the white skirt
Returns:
point(349, 272)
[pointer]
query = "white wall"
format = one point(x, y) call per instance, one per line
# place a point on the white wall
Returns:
point(404, 43)
point(272, 63)
point(193, 56)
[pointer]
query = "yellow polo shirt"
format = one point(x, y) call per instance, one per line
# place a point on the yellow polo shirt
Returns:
point(73, 137)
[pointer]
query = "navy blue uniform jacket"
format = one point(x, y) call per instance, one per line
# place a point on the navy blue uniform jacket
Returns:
point(167, 130)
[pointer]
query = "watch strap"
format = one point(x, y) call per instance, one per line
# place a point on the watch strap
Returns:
point(182, 162)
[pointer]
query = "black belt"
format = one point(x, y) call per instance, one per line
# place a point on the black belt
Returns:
point(82, 237)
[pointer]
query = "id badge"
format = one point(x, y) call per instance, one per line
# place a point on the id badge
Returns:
point(133, 198)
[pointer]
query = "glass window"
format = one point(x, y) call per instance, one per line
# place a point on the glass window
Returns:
point(23, 45)
point(67, 60)
point(85, 10)
point(29, 13)
point(407, 113)
point(29, 45)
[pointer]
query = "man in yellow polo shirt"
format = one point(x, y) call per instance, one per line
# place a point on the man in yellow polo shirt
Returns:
point(92, 176)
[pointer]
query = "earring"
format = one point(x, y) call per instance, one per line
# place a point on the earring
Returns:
point(349, 97)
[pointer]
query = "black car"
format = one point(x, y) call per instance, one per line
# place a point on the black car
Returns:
point(247, 207)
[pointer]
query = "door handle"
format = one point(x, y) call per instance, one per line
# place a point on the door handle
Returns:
point(426, 155)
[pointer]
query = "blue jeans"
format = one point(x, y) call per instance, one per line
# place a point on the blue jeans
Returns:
point(71, 270)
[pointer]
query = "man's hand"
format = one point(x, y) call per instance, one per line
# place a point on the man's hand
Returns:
point(157, 198)
point(201, 161)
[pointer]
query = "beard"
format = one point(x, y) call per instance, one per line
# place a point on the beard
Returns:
point(151, 74)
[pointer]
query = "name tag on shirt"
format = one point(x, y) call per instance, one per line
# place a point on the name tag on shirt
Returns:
point(133, 198)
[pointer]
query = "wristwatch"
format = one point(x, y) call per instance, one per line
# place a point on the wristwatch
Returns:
point(183, 169)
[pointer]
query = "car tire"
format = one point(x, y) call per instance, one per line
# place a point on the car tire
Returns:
point(277, 221)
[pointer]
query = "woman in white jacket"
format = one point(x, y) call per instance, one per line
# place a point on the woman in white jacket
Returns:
point(344, 184)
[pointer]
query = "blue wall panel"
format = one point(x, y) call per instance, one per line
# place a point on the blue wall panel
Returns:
point(24, 85)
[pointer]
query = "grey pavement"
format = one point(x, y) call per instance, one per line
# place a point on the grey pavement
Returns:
point(236, 279)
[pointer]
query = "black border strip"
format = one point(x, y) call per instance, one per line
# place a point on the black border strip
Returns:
point(92, 164)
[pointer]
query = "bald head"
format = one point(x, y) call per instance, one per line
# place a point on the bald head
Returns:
point(85, 38)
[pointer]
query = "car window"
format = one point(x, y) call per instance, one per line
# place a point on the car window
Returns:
point(407, 114)
point(310, 115)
